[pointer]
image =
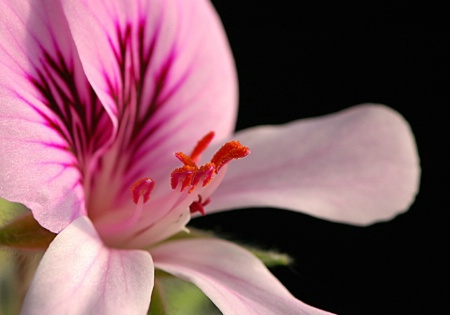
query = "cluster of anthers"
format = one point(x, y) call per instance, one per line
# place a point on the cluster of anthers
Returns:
point(190, 174)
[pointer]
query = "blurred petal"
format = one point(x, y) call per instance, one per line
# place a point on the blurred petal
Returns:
point(235, 280)
point(79, 275)
point(164, 70)
point(51, 123)
point(357, 166)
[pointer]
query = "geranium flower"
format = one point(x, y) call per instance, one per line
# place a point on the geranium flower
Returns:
point(97, 96)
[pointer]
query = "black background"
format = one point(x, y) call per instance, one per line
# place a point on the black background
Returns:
point(302, 59)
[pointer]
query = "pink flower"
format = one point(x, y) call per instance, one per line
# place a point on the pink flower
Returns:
point(97, 96)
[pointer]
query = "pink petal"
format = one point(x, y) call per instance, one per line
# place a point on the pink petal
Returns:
point(357, 166)
point(51, 123)
point(79, 275)
point(235, 280)
point(164, 70)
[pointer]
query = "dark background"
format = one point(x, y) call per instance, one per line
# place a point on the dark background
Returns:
point(299, 60)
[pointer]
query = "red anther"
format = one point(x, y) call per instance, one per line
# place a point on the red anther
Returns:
point(142, 188)
point(183, 175)
point(205, 173)
point(229, 151)
point(201, 146)
point(191, 175)
point(199, 206)
point(186, 160)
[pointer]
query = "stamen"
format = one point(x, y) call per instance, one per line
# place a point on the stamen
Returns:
point(201, 146)
point(191, 175)
point(186, 160)
point(142, 188)
point(140, 193)
point(205, 173)
point(229, 151)
point(199, 206)
point(183, 175)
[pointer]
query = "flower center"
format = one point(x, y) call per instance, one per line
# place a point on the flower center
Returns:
point(133, 226)
point(190, 175)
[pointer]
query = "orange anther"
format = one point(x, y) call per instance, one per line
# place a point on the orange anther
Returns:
point(191, 175)
point(201, 146)
point(186, 160)
point(229, 151)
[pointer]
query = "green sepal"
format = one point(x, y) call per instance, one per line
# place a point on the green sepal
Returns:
point(173, 296)
point(270, 258)
point(24, 232)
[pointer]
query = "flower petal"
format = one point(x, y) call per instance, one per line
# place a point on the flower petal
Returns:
point(79, 275)
point(51, 123)
point(235, 280)
point(164, 70)
point(357, 166)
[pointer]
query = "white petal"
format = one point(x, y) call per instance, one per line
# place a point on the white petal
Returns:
point(79, 275)
point(357, 166)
